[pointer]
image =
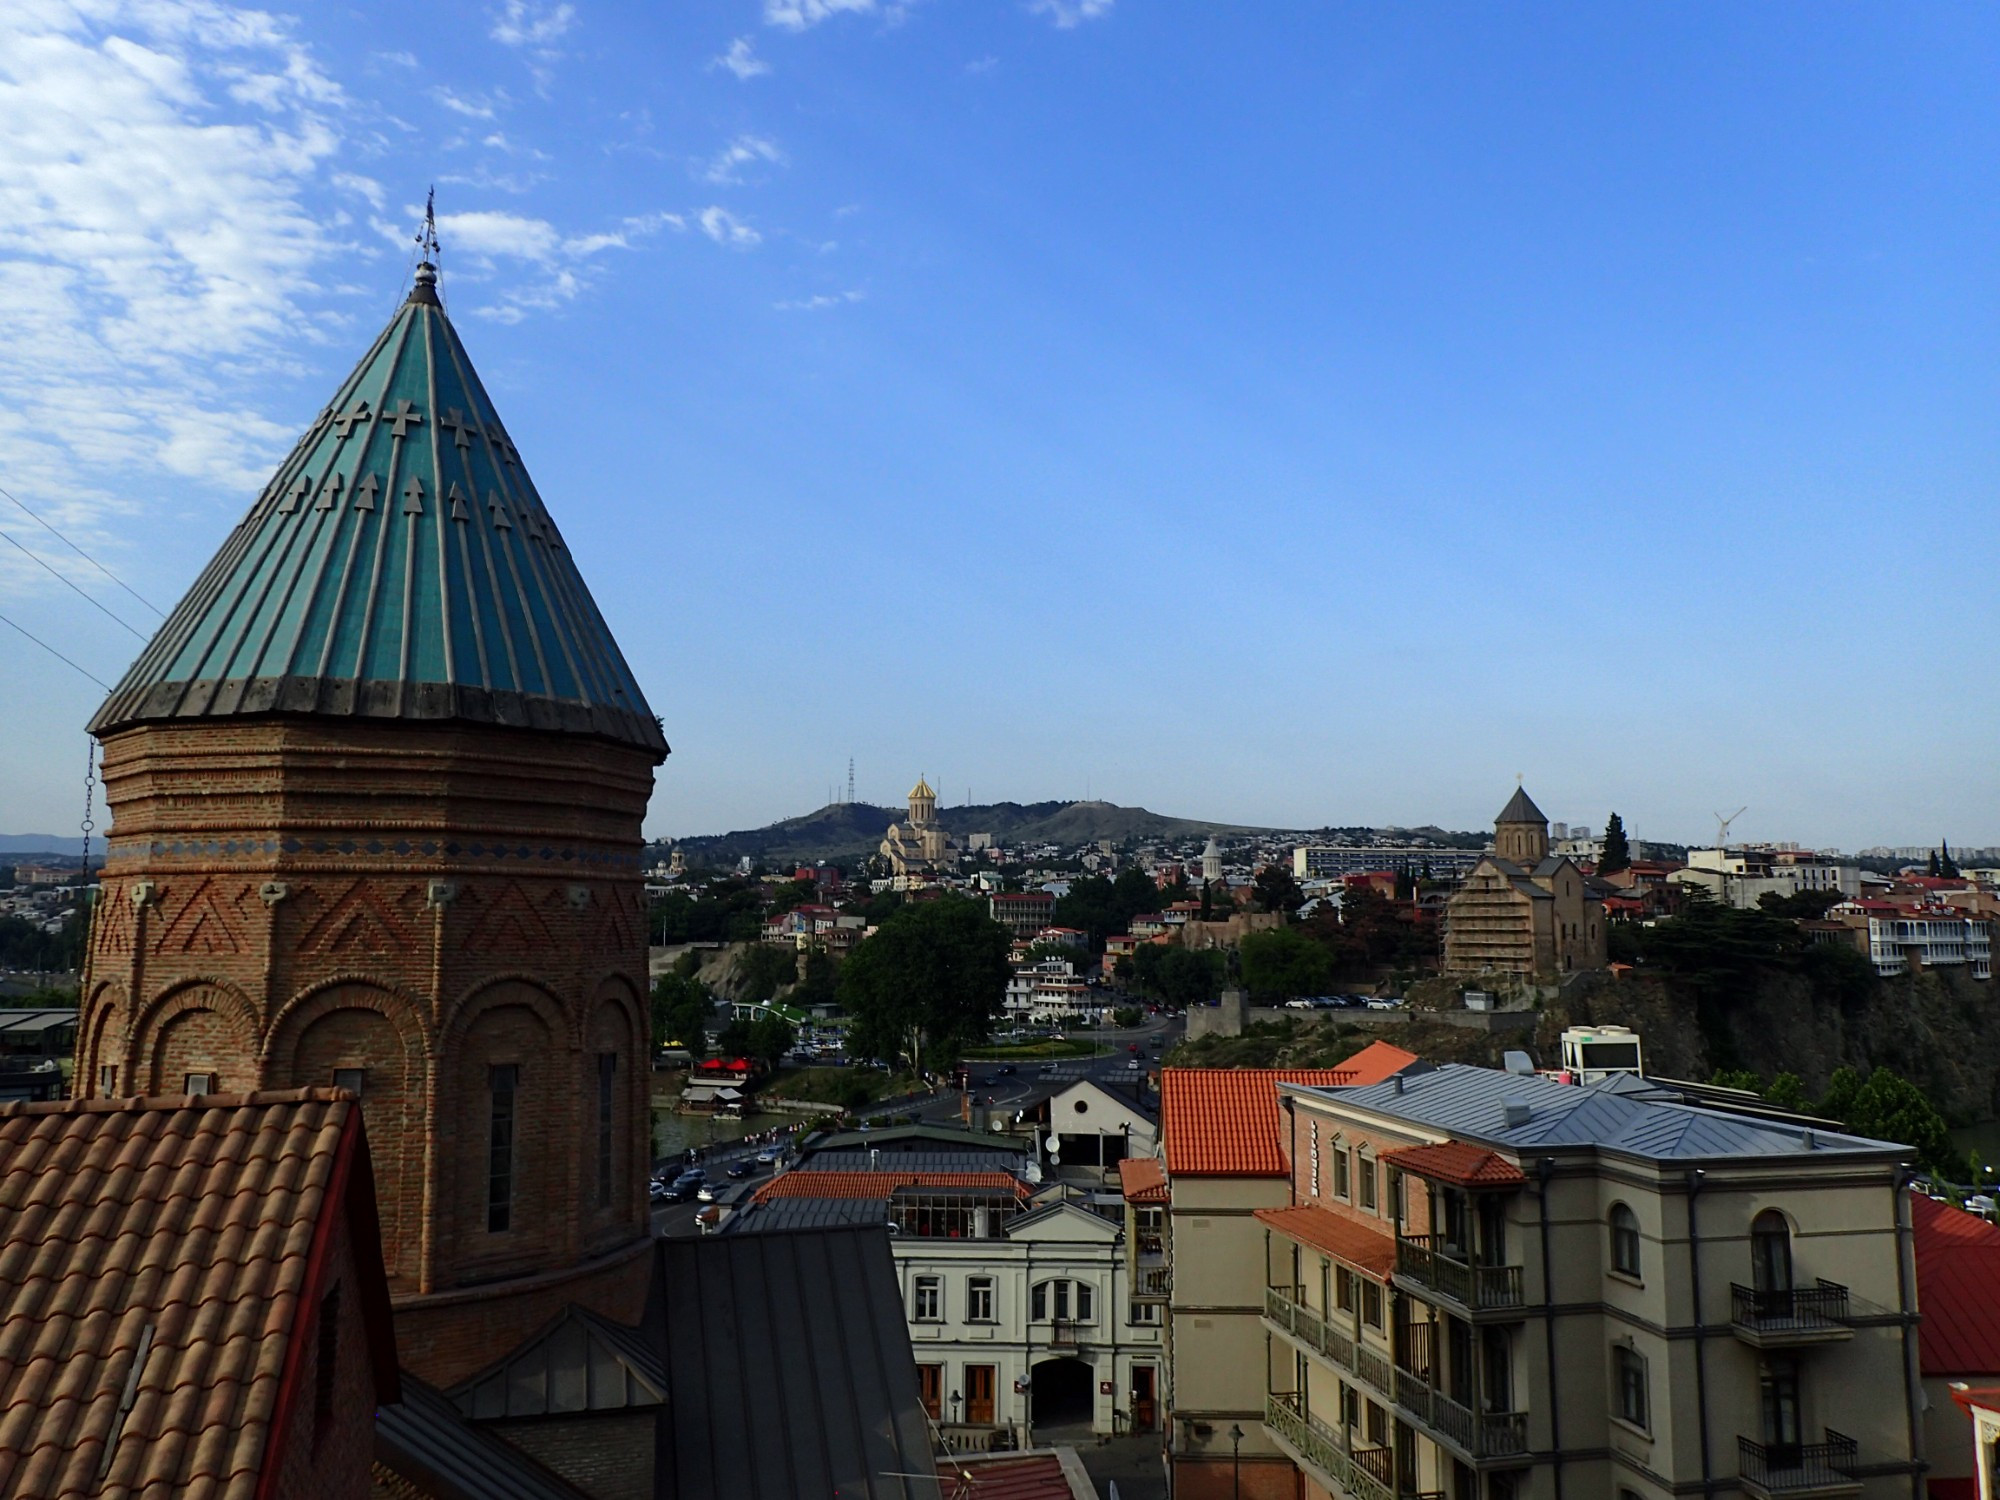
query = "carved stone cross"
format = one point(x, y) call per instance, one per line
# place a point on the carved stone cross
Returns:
point(497, 435)
point(356, 413)
point(461, 428)
point(403, 418)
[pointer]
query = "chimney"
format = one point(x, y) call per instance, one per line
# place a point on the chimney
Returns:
point(1517, 1112)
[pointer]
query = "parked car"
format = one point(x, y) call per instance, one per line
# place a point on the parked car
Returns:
point(656, 1191)
point(1299, 1004)
point(741, 1168)
point(677, 1192)
point(768, 1156)
point(705, 1193)
point(1381, 1004)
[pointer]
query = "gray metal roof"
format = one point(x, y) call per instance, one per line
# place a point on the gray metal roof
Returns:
point(578, 1362)
point(1521, 808)
point(902, 1138)
point(944, 1160)
point(1470, 1103)
point(788, 1370)
point(24, 1022)
point(808, 1213)
point(424, 1438)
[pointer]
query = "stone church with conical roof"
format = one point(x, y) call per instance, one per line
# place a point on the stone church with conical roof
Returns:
point(1523, 913)
point(377, 787)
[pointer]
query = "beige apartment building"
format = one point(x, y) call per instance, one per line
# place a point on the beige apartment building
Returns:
point(1202, 1254)
point(1493, 1286)
point(1523, 911)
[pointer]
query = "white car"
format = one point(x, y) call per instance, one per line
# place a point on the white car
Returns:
point(1298, 1005)
point(1385, 1005)
point(704, 1194)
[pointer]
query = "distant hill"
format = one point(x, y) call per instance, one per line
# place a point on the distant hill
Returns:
point(42, 843)
point(850, 830)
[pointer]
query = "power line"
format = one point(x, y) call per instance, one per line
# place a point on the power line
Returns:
point(66, 582)
point(86, 556)
point(56, 654)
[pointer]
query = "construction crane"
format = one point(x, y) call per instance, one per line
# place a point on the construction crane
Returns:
point(1723, 825)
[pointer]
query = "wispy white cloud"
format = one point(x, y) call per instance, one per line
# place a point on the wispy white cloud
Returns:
point(396, 59)
point(722, 226)
point(726, 166)
point(741, 59)
point(801, 15)
point(502, 246)
point(160, 245)
point(473, 108)
point(521, 23)
point(984, 64)
point(1068, 13)
point(820, 302)
point(366, 187)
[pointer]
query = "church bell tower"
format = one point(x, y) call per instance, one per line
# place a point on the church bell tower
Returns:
point(377, 787)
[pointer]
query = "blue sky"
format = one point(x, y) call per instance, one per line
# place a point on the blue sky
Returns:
point(1281, 413)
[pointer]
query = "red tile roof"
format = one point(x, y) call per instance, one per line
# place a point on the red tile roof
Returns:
point(1375, 1063)
point(1143, 1178)
point(1349, 1240)
point(1958, 1266)
point(197, 1228)
point(1457, 1163)
point(1027, 1476)
point(1223, 1122)
point(883, 1185)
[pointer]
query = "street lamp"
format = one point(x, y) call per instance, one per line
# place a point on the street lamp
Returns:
point(954, 1408)
point(1235, 1462)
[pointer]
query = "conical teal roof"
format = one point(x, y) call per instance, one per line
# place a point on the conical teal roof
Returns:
point(399, 565)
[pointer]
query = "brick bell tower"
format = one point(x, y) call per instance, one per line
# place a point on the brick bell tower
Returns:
point(377, 787)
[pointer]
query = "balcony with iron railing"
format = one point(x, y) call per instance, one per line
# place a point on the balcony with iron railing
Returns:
point(1151, 1283)
point(1364, 1474)
point(1434, 1266)
point(1062, 1334)
point(1784, 1317)
point(1799, 1471)
point(1475, 1434)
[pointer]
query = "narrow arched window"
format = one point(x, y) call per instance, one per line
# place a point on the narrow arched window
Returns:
point(1624, 1240)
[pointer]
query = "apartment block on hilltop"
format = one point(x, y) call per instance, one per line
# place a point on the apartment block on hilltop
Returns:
point(1491, 1286)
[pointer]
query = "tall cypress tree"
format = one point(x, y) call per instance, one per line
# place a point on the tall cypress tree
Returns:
point(1617, 850)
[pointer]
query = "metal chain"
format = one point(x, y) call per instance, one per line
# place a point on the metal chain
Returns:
point(89, 800)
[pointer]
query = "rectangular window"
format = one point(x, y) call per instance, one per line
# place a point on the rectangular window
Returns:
point(979, 1299)
point(198, 1083)
point(1630, 1371)
point(1350, 1406)
point(327, 1365)
point(1144, 1314)
point(1371, 1304)
point(1038, 1303)
point(1062, 1301)
point(1343, 1290)
point(502, 1082)
point(1085, 1312)
point(929, 1304)
point(354, 1080)
point(1367, 1182)
point(607, 1070)
point(107, 1081)
point(1340, 1173)
point(1378, 1426)
point(930, 1385)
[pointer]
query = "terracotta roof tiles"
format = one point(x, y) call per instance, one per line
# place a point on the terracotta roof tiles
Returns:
point(174, 1235)
point(1223, 1122)
point(1366, 1249)
point(1457, 1163)
point(1143, 1179)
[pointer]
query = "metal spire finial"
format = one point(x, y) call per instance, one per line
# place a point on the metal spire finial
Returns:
point(427, 248)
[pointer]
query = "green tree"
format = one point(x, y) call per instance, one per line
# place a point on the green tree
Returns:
point(767, 1039)
point(1737, 1078)
point(763, 970)
point(1800, 906)
point(928, 984)
point(1177, 976)
point(1886, 1106)
point(1947, 866)
point(1284, 963)
point(1787, 1092)
point(1278, 891)
point(1617, 849)
point(820, 984)
point(682, 1007)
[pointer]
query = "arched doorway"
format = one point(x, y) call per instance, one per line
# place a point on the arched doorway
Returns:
point(1062, 1394)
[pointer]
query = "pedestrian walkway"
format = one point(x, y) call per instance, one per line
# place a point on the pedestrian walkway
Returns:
point(1133, 1463)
